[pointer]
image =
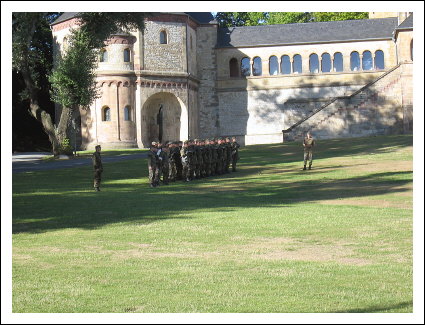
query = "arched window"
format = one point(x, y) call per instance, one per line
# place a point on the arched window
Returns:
point(245, 67)
point(103, 55)
point(106, 114)
point(338, 62)
point(234, 67)
point(379, 60)
point(314, 63)
point(126, 55)
point(285, 64)
point(411, 50)
point(273, 66)
point(326, 62)
point(257, 67)
point(127, 113)
point(297, 65)
point(163, 37)
point(367, 61)
point(354, 61)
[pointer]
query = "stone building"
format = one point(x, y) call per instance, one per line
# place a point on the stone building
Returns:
point(184, 77)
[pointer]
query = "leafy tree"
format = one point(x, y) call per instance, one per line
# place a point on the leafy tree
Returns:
point(73, 79)
point(333, 16)
point(26, 133)
point(288, 17)
point(233, 19)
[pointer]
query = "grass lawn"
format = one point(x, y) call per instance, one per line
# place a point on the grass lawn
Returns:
point(269, 238)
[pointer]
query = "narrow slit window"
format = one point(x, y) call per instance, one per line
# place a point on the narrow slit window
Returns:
point(163, 37)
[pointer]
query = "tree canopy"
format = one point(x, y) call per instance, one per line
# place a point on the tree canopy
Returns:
point(234, 19)
point(73, 78)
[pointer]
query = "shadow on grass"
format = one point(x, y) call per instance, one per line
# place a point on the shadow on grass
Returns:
point(64, 198)
point(136, 203)
point(378, 309)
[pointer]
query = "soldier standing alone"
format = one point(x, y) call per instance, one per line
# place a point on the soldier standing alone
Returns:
point(308, 145)
point(98, 168)
point(235, 153)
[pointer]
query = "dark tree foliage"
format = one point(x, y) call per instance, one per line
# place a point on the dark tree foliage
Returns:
point(72, 81)
point(27, 135)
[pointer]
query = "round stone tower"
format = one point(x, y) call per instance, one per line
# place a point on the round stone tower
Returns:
point(113, 116)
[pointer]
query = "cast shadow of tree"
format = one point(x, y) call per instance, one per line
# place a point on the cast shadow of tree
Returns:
point(126, 197)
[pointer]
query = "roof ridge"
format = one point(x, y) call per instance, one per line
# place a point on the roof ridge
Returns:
point(316, 22)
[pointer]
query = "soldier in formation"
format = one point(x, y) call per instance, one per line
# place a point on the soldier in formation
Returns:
point(153, 165)
point(191, 159)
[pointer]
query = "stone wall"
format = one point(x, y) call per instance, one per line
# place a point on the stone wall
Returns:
point(165, 57)
point(375, 110)
point(209, 118)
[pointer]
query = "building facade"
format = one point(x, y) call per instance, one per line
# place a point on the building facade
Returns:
point(184, 77)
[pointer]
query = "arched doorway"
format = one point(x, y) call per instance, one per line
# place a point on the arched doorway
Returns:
point(164, 118)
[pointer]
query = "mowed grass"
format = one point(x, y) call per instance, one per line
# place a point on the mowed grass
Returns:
point(269, 238)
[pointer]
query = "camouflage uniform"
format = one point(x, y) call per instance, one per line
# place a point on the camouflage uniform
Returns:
point(228, 155)
point(186, 169)
point(235, 154)
point(213, 156)
point(153, 166)
point(308, 143)
point(174, 151)
point(193, 161)
point(199, 161)
point(207, 159)
point(178, 161)
point(220, 157)
point(98, 169)
point(164, 165)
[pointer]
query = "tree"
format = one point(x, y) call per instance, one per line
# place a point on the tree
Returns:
point(234, 19)
point(333, 16)
point(288, 17)
point(73, 78)
point(26, 133)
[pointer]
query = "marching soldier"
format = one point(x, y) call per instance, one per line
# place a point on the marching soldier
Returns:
point(153, 165)
point(184, 154)
point(164, 164)
point(228, 154)
point(214, 157)
point(98, 168)
point(178, 160)
point(173, 151)
point(235, 153)
point(308, 145)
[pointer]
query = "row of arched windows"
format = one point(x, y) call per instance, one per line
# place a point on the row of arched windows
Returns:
point(325, 64)
point(106, 113)
point(103, 57)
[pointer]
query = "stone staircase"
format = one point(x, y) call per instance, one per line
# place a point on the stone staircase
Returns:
point(374, 109)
